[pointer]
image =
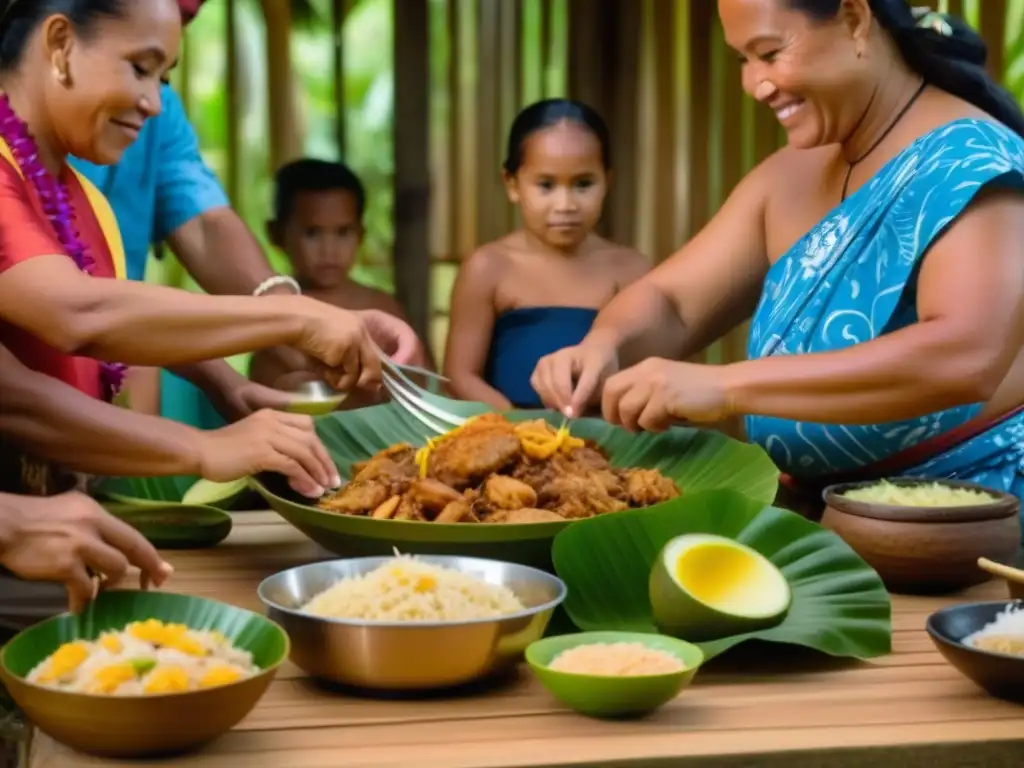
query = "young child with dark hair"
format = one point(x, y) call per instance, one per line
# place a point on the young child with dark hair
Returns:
point(318, 224)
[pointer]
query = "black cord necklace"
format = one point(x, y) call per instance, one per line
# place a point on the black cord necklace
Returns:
point(880, 139)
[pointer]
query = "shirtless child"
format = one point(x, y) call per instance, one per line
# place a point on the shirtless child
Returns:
point(318, 223)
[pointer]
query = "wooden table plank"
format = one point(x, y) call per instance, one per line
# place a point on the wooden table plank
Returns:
point(740, 706)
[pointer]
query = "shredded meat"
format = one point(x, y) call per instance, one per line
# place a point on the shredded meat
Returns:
point(495, 471)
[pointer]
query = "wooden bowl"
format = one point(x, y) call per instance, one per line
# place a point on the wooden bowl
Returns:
point(926, 550)
point(999, 674)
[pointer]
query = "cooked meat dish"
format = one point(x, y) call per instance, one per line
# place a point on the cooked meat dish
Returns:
point(492, 470)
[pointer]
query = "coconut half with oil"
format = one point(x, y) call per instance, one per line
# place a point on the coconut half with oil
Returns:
point(704, 587)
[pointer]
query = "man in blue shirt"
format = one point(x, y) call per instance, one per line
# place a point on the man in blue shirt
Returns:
point(162, 191)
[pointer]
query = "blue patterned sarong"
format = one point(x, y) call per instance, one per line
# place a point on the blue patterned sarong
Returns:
point(852, 278)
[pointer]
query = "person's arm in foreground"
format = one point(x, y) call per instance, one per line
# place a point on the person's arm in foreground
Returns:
point(970, 329)
point(685, 303)
point(470, 329)
point(141, 324)
point(193, 215)
point(58, 423)
point(62, 538)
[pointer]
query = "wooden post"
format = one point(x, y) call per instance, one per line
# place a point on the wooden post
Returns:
point(285, 139)
point(233, 108)
point(412, 160)
point(339, 10)
point(993, 29)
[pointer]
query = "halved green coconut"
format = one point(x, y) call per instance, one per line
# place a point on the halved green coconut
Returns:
point(704, 587)
point(175, 526)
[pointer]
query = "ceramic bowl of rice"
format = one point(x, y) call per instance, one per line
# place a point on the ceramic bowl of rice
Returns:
point(614, 674)
point(924, 535)
point(142, 674)
point(985, 642)
point(408, 623)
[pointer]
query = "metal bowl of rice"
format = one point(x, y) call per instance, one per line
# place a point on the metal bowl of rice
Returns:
point(410, 623)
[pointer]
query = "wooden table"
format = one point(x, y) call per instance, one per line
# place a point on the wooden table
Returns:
point(739, 712)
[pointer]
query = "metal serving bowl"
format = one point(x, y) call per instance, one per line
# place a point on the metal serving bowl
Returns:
point(315, 398)
point(402, 655)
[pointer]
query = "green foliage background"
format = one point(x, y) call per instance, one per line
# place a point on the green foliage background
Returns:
point(369, 103)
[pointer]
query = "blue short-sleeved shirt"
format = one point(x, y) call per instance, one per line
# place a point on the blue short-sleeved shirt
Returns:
point(160, 183)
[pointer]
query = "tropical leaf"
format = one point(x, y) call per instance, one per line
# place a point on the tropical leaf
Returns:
point(174, 526)
point(697, 460)
point(154, 507)
point(161, 492)
point(839, 604)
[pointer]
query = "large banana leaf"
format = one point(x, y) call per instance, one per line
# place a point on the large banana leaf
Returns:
point(696, 459)
point(839, 605)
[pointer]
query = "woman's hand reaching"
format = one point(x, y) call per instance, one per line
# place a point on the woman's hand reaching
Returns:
point(269, 441)
point(657, 393)
point(571, 379)
point(340, 341)
point(68, 539)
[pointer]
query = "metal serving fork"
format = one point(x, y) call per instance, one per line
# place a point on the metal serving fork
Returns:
point(437, 413)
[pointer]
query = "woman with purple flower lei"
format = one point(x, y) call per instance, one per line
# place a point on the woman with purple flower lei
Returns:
point(81, 77)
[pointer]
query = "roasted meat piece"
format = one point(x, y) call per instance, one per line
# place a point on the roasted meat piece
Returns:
point(492, 470)
point(431, 497)
point(647, 487)
point(387, 474)
point(527, 515)
point(482, 447)
point(502, 492)
point(460, 511)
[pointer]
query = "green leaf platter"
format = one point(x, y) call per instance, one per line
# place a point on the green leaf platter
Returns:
point(839, 605)
point(697, 460)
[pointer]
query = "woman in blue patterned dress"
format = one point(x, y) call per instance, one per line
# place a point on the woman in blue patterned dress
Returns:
point(886, 244)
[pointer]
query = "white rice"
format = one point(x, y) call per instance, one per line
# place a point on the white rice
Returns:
point(145, 658)
point(406, 589)
point(616, 660)
point(1004, 634)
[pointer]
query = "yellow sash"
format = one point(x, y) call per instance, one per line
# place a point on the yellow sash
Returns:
point(100, 208)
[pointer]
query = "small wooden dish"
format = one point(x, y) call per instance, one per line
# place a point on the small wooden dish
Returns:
point(926, 550)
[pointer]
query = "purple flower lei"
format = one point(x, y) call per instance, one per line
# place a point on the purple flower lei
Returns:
point(57, 205)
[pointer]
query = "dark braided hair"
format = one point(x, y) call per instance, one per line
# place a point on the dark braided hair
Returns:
point(949, 54)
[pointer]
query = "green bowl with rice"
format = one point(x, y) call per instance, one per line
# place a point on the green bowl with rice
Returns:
point(614, 675)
